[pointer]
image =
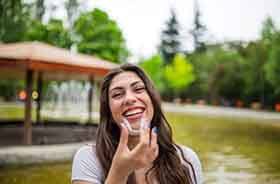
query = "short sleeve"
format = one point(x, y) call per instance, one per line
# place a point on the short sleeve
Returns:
point(86, 166)
point(192, 157)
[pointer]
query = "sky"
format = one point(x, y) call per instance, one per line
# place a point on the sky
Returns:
point(143, 20)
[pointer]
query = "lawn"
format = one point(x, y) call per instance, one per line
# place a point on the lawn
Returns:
point(16, 112)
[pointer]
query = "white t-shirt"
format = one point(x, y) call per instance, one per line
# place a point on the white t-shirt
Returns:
point(86, 166)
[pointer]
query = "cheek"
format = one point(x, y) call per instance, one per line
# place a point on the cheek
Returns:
point(115, 110)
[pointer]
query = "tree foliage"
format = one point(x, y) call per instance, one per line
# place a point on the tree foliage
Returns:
point(72, 7)
point(170, 42)
point(53, 33)
point(198, 30)
point(218, 73)
point(273, 69)
point(14, 16)
point(152, 66)
point(101, 36)
point(255, 56)
point(271, 39)
point(179, 74)
point(226, 80)
point(40, 9)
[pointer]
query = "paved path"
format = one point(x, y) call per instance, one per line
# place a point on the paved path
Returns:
point(38, 154)
point(63, 152)
point(229, 112)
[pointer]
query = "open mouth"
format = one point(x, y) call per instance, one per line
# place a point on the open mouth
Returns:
point(133, 112)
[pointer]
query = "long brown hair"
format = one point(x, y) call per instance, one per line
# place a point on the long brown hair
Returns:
point(167, 166)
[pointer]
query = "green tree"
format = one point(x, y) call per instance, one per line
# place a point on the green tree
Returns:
point(268, 32)
point(219, 74)
point(53, 33)
point(198, 30)
point(57, 35)
point(40, 9)
point(273, 69)
point(37, 32)
point(100, 36)
point(14, 16)
point(179, 74)
point(271, 39)
point(72, 9)
point(9, 88)
point(226, 79)
point(255, 56)
point(170, 42)
point(152, 67)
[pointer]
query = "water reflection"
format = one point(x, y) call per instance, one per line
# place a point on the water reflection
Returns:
point(231, 151)
point(224, 168)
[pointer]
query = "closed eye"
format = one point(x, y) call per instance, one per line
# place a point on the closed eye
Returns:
point(140, 89)
point(117, 95)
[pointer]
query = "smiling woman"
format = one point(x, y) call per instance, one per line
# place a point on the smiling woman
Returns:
point(128, 104)
point(129, 100)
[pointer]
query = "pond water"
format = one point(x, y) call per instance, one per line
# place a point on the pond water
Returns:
point(231, 152)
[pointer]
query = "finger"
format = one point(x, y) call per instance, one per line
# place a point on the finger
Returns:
point(145, 137)
point(124, 136)
point(153, 143)
point(144, 130)
point(155, 152)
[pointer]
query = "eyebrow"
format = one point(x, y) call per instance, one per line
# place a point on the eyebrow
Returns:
point(132, 84)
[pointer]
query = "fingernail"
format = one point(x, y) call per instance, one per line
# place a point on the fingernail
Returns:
point(155, 130)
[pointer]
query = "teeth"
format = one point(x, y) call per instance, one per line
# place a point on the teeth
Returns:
point(131, 131)
point(134, 111)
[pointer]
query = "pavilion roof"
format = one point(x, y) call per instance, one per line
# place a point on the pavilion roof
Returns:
point(54, 62)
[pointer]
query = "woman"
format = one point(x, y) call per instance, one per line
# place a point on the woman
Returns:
point(134, 140)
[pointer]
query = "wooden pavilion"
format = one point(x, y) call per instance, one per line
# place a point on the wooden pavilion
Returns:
point(36, 62)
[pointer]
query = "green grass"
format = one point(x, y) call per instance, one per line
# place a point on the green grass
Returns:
point(12, 112)
point(36, 174)
point(16, 112)
point(231, 151)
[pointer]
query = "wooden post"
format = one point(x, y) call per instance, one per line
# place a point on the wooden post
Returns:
point(28, 108)
point(90, 98)
point(39, 99)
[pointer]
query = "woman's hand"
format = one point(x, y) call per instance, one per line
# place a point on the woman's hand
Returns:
point(126, 161)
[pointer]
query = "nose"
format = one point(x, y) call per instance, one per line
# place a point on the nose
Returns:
point(130, 98)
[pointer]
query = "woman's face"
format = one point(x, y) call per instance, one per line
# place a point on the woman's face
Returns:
point(129, 99)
